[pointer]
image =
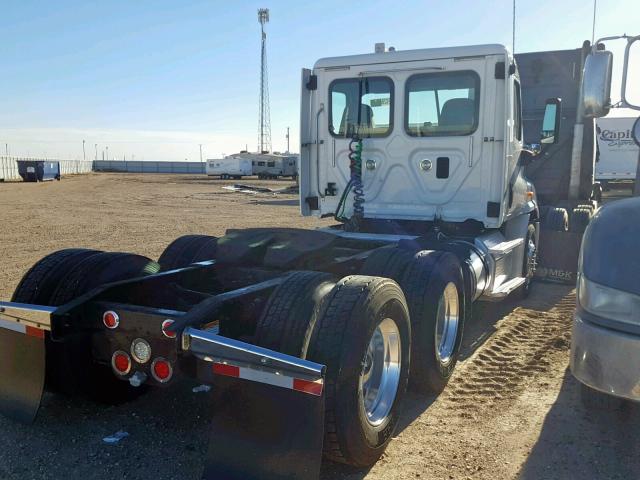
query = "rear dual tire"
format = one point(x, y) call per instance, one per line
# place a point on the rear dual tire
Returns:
point(59, 278)
point(434, 287)
point(360, 329)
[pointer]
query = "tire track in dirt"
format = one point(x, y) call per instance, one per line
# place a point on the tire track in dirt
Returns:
point(520, 349)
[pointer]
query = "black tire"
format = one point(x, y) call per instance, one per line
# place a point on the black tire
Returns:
point(424, 285)
point(100, 269)
point(350, 315)
point(556, 219)
point(580, 218)
point(70, 365)
point(288, 320)
point(389, 262)
point(528, 265)
point(185, 250)
point(38, 284)
point(595, 400)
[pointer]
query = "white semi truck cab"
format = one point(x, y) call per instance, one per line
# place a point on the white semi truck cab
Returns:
point(441, 133)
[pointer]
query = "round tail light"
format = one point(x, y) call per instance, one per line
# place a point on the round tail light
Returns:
point(110, 319)
point(161, 370)
point(121, 362)
point(166, 324)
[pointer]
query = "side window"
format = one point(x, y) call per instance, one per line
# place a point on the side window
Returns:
point(517, 110)
point(271, 164)
point(361, 106)
point(440, 104)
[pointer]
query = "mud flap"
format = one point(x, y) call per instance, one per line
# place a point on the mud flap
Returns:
point(268, 417)
point(558, 256)
point(22, 371)
point(265, 432)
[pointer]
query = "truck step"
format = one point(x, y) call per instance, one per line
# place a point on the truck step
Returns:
point(505, 247)
point(504, 289)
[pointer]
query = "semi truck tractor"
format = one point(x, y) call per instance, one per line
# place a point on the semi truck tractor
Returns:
point(311, 338)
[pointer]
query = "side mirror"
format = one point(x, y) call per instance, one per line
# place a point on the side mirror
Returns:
point(551, 122)
point(631, 74)
point(596, 83)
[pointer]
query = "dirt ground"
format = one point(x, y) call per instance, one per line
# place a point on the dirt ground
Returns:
point(511, 411)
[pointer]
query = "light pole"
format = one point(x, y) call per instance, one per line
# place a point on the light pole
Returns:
point(200, 153)
point(96, 146)
point(84, 154)
point(107, 153)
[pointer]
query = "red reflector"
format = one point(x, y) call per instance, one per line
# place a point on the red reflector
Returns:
point(306, 386)
point(34, 332)
point(110, 319)
point(226, 370)
point(166, 324)
point(121, 363)
point(161, 370)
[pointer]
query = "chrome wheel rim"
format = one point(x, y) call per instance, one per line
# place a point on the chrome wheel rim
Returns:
point(380, 375)
point(531, 258)
point(447, 322)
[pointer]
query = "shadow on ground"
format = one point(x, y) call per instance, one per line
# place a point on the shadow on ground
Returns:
point(576, 443)
point(277, 203)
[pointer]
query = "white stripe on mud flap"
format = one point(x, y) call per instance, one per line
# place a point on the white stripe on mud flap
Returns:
point(22, 328)
point(291, 383)
point(16, 327)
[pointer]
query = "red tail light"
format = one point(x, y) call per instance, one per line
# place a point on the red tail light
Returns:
point(161, 370)
point(110, 319)
point(166, 324)
point(121, 362)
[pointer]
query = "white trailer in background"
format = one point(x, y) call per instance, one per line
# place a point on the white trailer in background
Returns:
point(231, 166)
point(618, 153)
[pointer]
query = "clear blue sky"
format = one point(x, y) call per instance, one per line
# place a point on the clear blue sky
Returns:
point(156, 78)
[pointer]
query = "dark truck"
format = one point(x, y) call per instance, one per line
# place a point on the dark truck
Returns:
point(563, 173)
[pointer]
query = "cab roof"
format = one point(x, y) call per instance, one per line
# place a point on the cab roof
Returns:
point(412, 55)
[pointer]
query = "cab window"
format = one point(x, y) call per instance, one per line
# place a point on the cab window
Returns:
point(361, 106)
point(440, 104)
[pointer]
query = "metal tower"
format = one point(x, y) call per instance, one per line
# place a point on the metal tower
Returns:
point(264, 139)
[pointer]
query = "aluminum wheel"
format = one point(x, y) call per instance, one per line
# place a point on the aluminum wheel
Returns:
point(380, 376)
point(531, 257)
point(447, 322)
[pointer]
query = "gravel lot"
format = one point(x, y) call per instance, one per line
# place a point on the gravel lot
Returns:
point(511, 411)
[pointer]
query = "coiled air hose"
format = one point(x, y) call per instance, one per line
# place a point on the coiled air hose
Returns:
point(354, 185)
